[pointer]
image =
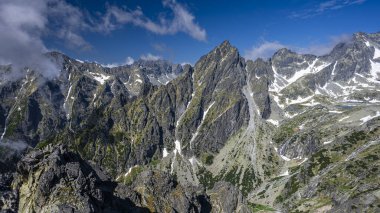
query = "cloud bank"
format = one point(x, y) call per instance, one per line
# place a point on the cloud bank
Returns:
point(182, 21)
point(264, 50)
point(25, 24)
point(21, 27)
point(150, 57)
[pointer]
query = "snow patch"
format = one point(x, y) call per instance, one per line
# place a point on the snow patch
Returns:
point(94, 97)
point(310, 69)
point(327, 142)
point(177, 147)
point(279, 82)
point(286, 173)
point(374, 101)
point(130, 170)
point(333, 71)
point(277, 100)
point(165, 153)
point(193, 161)
point(274, 122)
point(205, 112)
point(172, 166)
point(301, 127)
point(303, 161)
point(288, 115)
point(299, 100)
point(334, 111)
point(344, 118)
point(2, 135)
point(369, 117)
point(198, 128)
point(284, 158)
point(65, 102)
point(377, 53)
point(375, 69)
point(312, 103)
point(101, 78)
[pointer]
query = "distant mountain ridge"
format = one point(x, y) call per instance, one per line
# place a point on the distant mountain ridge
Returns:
point(296, 132)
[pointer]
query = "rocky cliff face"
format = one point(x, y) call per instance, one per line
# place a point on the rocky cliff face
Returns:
point(284, 134)
point(57, 180)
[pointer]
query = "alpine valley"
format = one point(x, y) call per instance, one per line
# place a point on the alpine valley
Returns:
point(294, 133)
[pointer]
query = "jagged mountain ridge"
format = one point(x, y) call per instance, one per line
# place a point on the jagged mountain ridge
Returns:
point(245, 122)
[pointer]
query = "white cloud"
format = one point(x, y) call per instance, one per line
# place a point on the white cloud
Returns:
point(150, 57)
point(182, 21)
point(267, 48)
point(264, 50)
point(22, 25)
point(160, 47)
point(337, 4)
point(67, 22)
point(324, 48)
point(128, 61)
point(184, 63)
point(324, 6)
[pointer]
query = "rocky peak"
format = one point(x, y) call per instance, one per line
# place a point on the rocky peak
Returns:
point(372, 38)
point(283, 52)
point(287, 62)
point(159, 65)
point(225, 47)
point(222, 55)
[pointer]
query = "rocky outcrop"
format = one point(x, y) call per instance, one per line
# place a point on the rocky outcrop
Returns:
point(260, 75)
point(227, 198)
point(160, 192)
point(218, 108)
point(57, 180)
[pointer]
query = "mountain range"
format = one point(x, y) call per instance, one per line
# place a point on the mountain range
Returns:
point(293, 133)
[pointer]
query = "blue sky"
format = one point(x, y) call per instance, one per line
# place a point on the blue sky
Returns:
point(112, 31)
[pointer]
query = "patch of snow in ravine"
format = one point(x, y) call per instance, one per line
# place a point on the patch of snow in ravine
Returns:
point(344, 118)
point(284, 158)
point(286, 173)
point(369, 117)
point(193, 161)
point(203, 118)
point(165, 153)
point(274, 122)
point(129, 170)
point(101, 78)
point(177, 147)
point(334, 111)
